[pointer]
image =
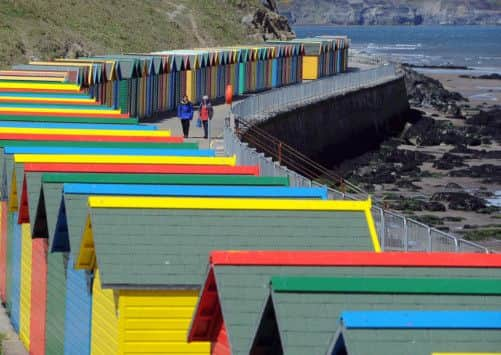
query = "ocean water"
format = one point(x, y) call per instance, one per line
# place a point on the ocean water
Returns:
point(476, 47)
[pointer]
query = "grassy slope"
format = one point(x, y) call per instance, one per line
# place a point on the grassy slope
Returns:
point(42, 29)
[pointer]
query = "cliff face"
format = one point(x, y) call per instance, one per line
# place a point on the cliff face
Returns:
point(43, 29)
point(393, 12)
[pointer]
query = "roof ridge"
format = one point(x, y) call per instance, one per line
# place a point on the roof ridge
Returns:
point(354, 258)
point(421, 319)
point(395, 285)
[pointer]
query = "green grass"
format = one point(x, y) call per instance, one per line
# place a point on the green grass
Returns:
point(43, 29)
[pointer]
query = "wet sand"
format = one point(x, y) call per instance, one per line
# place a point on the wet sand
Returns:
point(483, 92)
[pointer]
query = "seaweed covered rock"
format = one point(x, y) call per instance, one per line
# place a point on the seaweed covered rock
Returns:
point(461, 201)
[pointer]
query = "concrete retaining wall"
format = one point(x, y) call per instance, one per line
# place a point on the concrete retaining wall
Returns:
point(343, 126)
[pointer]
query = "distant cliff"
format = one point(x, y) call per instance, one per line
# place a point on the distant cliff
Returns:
point(43, 29)
point(392, 12)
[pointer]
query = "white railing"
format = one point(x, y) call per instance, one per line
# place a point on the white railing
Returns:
point(262, 106)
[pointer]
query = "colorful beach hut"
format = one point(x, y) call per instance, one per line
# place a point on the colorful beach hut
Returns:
point(226, 317)
point(170, 279)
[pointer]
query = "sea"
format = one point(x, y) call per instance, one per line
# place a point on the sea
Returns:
point(475, 47)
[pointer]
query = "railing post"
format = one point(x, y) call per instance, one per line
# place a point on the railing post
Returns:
point(430, 244)
point(406, 235)
point(456, 245)
point(383, 230)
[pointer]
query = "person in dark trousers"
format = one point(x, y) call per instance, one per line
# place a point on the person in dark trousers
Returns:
point(206, 112)
point(185, 113)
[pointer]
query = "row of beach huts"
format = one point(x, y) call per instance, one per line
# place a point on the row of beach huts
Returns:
point(145, 84)
point(118, 238)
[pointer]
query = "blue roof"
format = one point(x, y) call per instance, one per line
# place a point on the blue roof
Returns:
point(110, 151)
point(421, 319)
point(196, 190)
point(77, 126)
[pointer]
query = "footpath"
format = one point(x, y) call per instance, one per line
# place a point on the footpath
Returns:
point(221, 111)
point(11, 345)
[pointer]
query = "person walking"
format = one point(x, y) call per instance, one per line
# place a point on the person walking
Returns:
point(185, 113)
point(205, 113)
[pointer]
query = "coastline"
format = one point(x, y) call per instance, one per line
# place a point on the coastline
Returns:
point(445, 167)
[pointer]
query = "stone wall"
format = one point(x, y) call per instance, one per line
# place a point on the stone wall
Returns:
point(344, 126)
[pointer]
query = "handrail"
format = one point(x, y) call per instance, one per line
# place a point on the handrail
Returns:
point(289, 156)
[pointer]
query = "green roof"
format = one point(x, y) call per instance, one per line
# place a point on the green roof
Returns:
point(386, 285)
point(309, 320)
point(243, 290)
point(168, 247)
point(159, 179)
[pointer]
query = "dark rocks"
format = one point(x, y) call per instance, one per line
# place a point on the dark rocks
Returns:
point(429, 132)
point(493, 76)
point(435, 206)
point(460, 201)
point(407, 184)
point(487, 122)
point(424, 91)
point(489, 172)
point(453, 186)
point(415, 205)
point(448, 161)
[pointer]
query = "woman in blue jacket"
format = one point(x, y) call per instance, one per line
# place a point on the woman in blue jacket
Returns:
point(185, 113)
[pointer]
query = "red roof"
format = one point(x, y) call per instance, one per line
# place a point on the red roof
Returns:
point(208, 318)
point(339, 258)
point(141, 168)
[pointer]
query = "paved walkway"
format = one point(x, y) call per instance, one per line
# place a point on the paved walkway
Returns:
point(171, 122)
point(11, 345)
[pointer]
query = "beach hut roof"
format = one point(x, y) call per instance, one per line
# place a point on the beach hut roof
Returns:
point(305, 313)
point(74, 206)
point(223, 302)
point(43, 217)
point(461, 331)
point(167, 256)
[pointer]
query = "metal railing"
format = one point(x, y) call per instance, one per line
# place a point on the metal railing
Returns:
point(262, 106)
point(395, 231)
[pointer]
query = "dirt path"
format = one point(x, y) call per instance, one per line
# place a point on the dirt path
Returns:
point(182, 13)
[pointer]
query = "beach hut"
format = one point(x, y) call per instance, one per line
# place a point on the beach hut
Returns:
point(418, 332)
point(38, 295)
point(71, 222)
point(42, 216)
point(220, 317)
point(170, 279)
point(341, 315)
point(19, 185)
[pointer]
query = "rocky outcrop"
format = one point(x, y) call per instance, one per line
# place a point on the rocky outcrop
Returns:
point(266, 23)
point(396, 12)
point(424, 91)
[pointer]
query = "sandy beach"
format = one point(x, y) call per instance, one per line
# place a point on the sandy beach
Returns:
point(482, 92)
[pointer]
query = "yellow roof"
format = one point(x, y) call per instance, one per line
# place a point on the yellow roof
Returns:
point(123, 159)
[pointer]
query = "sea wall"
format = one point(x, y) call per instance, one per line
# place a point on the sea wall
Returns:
point(343, 126)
